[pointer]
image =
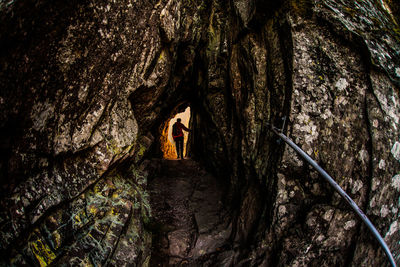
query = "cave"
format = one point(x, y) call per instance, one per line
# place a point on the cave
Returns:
point(88, 94)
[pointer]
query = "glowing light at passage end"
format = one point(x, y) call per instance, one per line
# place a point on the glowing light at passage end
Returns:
point(167, 142)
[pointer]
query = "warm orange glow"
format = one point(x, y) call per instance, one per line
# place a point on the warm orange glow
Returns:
point(167, 147)
point(166, 140)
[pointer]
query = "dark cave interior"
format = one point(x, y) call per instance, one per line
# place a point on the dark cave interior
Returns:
point(88, 91)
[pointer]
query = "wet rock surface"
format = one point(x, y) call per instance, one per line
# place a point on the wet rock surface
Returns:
point(188, 214)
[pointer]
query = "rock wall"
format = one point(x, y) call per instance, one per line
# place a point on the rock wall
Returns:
point(331, 68)
point(68, 71)
point(86, 87)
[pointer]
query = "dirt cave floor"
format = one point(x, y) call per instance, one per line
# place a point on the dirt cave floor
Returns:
point(190, 224)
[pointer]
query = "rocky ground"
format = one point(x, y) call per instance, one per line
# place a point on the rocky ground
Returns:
point(190, 220)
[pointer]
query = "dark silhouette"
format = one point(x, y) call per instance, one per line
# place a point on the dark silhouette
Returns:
point(177, 134)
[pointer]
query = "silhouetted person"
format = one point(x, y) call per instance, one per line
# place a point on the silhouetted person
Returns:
point(177, 134)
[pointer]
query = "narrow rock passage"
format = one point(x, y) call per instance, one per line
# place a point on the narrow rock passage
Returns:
point(190, 221)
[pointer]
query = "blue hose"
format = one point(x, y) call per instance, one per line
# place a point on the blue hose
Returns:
point(341, 192)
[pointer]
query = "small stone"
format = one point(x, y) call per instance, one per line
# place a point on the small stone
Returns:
point(398, 72)
point(382, 164)
point(350, 224)
point(384, 211)
point(392, 229)
point(341, 84)
point(396, 150)
point(363, 155)
point(396, 182)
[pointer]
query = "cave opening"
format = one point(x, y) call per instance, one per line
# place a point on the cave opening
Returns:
point(190, 216)
point(166, 139)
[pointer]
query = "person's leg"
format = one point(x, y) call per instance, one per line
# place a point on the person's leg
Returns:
point(181, 147)
point(177, 147)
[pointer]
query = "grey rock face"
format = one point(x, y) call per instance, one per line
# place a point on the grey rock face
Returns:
point(318, 64)
point(85, 88)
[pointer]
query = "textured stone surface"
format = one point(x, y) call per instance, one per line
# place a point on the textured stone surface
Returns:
point(190, 221)
point(324, 65)
point(86, 88)
point(76, 65)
